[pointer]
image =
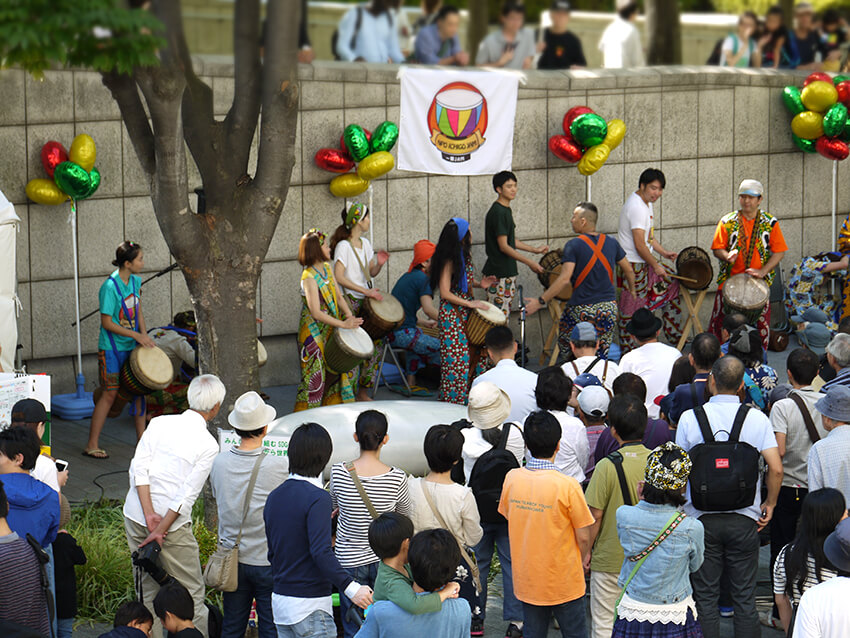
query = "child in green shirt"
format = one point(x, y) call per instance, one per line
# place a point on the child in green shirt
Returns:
point(389, 537)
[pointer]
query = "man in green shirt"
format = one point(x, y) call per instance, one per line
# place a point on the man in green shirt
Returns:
point(501, 244)
point(614, 477)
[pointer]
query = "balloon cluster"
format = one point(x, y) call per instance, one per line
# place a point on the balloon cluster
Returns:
point(72, 174)
point(370, 152)
point(820, 111)
point(588, 139)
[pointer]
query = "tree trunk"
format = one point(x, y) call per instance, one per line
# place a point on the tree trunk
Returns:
point(479, 18)
point(665, 33)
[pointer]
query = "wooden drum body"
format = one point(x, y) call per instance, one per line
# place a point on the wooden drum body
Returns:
point(747, 295)
point(480, 321)
point(347, 348)
point(551, 263)
point(694, 263)
point(381, 317)
point(146, 370)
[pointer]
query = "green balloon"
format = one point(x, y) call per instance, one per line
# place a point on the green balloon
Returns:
point(840, 78)
point(94, 182)
point(75, 181)
point(808, 146)
point(835, 120)
point(792, 100)
point(589, 129)
point(356, 142)
point(384, 137)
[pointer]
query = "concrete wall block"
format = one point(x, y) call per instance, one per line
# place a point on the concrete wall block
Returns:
point(140, 225)
point(37, 135)
point(394, 94)
point(61, 371)
point(50, 99)
point(680, 197)
point(408, 212)
point(363, 94)
point(397, 265)
point(785, 185)
point(715, 190)
point(51, 253)
point(368, 116)
point(679, 113)
point(13, 163)
point(321, 95)
point(381, 223)
point(135, 180)
point(817, 234)
point(300, 154)
point(643, 117)
point(319, 129)
point(566, 187)
point(529, 148)
point(320, 209)
point(750, 167)
point(447, 197)
point(12, 82)
point(107, 139)
point(25, 320)
point(22, 244)
point(610, 106)
point(677, 239)
point(716, 121)
point(606, 193)
point(481, 197)
point(792, 230)
point(223, 90)
point(284, 244)
point(92, 101)
point(281, 298)
point(282, 368)
point(100, 228)
point(530, 210)
point(780, 124)
point(752, 123)
point(817, 185)
point(156, 300)
point(557, 109)
point(338, 71)
point(54, 299)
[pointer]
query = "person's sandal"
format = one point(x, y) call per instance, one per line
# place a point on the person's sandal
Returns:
point(96, 453)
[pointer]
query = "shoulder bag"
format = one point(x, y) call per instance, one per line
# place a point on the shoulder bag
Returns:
point(363, 495)
point(807, 416)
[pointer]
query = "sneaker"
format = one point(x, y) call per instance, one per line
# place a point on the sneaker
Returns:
point(477, 627)
point(766, 618)
point(513, 631)
point(726, 612)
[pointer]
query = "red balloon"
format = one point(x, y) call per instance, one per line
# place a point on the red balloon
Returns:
point(832, 148)
point(52, 155)
point(572, 114)
point(342, 140)
point(565, 148)
point(817, 77)
point(843, 89)
point(334, 160)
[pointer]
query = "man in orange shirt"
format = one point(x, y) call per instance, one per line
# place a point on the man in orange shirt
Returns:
point(549, 525)
point(749, 241)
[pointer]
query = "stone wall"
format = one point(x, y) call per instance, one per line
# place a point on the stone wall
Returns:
point(706, 128)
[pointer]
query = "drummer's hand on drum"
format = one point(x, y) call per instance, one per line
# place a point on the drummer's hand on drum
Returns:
point(671, 255)
point(481, 305)
point(758, 273)
point(531, 306)
point(352, 322)
point(536, 267)
point(489, 280)
point(375, 294)
point(144, 340)
point(542, 250)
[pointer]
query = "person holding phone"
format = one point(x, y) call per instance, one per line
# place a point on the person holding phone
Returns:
point(512, 47)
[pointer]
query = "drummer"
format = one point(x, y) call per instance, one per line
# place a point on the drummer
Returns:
point(748, 240)
point(179, 341)
point(589, 262)
point(413, 290)
point(652, 289)
point(501, 245)
point(355, 266)
point(323, 310)
point(122, 328)
point(452, 275)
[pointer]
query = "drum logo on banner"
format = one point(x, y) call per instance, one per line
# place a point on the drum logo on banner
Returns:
point(457, 120)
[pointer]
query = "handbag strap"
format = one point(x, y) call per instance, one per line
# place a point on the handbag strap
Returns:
point(617, 459)
point(249, 494)
point(363, 495)
point(807, 416)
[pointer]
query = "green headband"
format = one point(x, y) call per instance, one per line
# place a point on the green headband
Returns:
point(356, 212)
point(668, 477)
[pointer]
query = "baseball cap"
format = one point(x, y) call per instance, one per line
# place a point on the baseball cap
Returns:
point(815, 336)
point(811, 315)
point(751, 187)
point(560, 5)
point(583, 331)
point(585, 380)
point(29, 411)
point(837, 546)
point(593, 401)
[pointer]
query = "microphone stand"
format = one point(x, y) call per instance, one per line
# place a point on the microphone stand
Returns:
point(521, 326)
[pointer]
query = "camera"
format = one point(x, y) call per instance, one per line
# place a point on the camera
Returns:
point(147, 558)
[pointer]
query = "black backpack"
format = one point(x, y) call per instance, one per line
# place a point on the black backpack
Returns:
point(335, 36)
point(488, 476)
point(725, 474)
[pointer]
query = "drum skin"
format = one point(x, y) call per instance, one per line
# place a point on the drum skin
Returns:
point(346, 349)
point(381, 317)
point(145, 371)
point(551, 263)
point(694, 263)
point(747, 295)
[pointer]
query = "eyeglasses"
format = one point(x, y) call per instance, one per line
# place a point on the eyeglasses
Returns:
point(317, 233)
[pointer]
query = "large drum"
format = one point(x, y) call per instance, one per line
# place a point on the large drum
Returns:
point(694, 263)
point(421, 319)
point(146, 370)
point(381, 317)
point(480, 321)
point(747, 295)
point(347, 348)
point(551, 263)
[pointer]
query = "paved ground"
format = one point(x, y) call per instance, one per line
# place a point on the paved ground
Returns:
point(92, 479)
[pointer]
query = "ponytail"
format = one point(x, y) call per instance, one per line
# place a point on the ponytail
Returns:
point(371, 428)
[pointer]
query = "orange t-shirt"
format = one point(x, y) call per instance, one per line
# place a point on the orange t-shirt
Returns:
point(721, 240)
point(544, 508)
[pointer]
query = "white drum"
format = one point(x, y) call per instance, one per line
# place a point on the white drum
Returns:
point(347, 348)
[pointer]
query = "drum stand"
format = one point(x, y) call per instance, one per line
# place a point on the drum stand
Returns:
point(693, 322)
point(556, 308)
point(402, 372)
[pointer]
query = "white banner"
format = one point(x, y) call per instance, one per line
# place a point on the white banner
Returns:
point(456, 122)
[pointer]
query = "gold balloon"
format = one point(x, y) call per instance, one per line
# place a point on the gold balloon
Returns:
point(83, 151)
point(375, 165)
point(45, 191)
point(807, 125)
point(819, 96)
point(593, 159)
point(616, 133)
point(348, 185)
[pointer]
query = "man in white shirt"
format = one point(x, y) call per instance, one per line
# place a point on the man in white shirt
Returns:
point(636, 234)
point(518, 382)
point(172, 462)
point(731, 537)
point(620, 42)
point(823, 611)
point(652, 361)
point(584, 344)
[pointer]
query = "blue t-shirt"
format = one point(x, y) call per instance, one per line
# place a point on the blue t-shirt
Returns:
point(110, 304)
point(597, 286)
point(408, 290)
point(387, 620)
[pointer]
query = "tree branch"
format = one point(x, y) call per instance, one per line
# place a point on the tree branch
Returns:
point(126, 94)
point(241, 120)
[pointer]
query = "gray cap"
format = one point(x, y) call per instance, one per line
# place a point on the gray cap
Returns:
point(835, 404)
point(583, 331)
point(815, 336)
point(815, 315)
point(837, 546)
point(751, 187)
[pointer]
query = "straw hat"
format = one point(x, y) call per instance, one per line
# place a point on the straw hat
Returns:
point(489, 406)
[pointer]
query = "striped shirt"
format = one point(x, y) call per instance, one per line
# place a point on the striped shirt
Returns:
point(388, 493)
point(780, 578)
point(21, 597)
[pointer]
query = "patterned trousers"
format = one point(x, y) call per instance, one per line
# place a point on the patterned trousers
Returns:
point(422, 350)
point(502, 293)
point(653, 292)
point(603, 315)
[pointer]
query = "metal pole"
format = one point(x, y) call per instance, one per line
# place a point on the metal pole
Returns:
point(589, 189)
point(834, 214)
point(73, 220)
point(372, 225)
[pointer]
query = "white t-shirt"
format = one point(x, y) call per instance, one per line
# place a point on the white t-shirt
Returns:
point(45, 471)
point(598, 370)
point(474, 446)
point(518, 383)
point(635, 213)
point(574, 451)
point(732, 45)
point(348, 256)
point(652, 362)
point(823, 611)
point(620, 45)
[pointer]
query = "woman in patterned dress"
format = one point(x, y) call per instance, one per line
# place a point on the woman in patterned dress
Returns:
point(452, 273)
point(321, 312)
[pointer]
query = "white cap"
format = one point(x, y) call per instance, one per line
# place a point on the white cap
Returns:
point(751, 187)
point(489, 405)
point(594, 400)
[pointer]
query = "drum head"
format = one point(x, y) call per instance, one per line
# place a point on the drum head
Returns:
point(388, 309)
point(492, 314)
point(694, 263)
point(746, 292)
point(355, 341)
point(550, 261)
point(262, 355)
point(152, 367)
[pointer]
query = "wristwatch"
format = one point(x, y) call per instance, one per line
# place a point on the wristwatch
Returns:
point(541, 301)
